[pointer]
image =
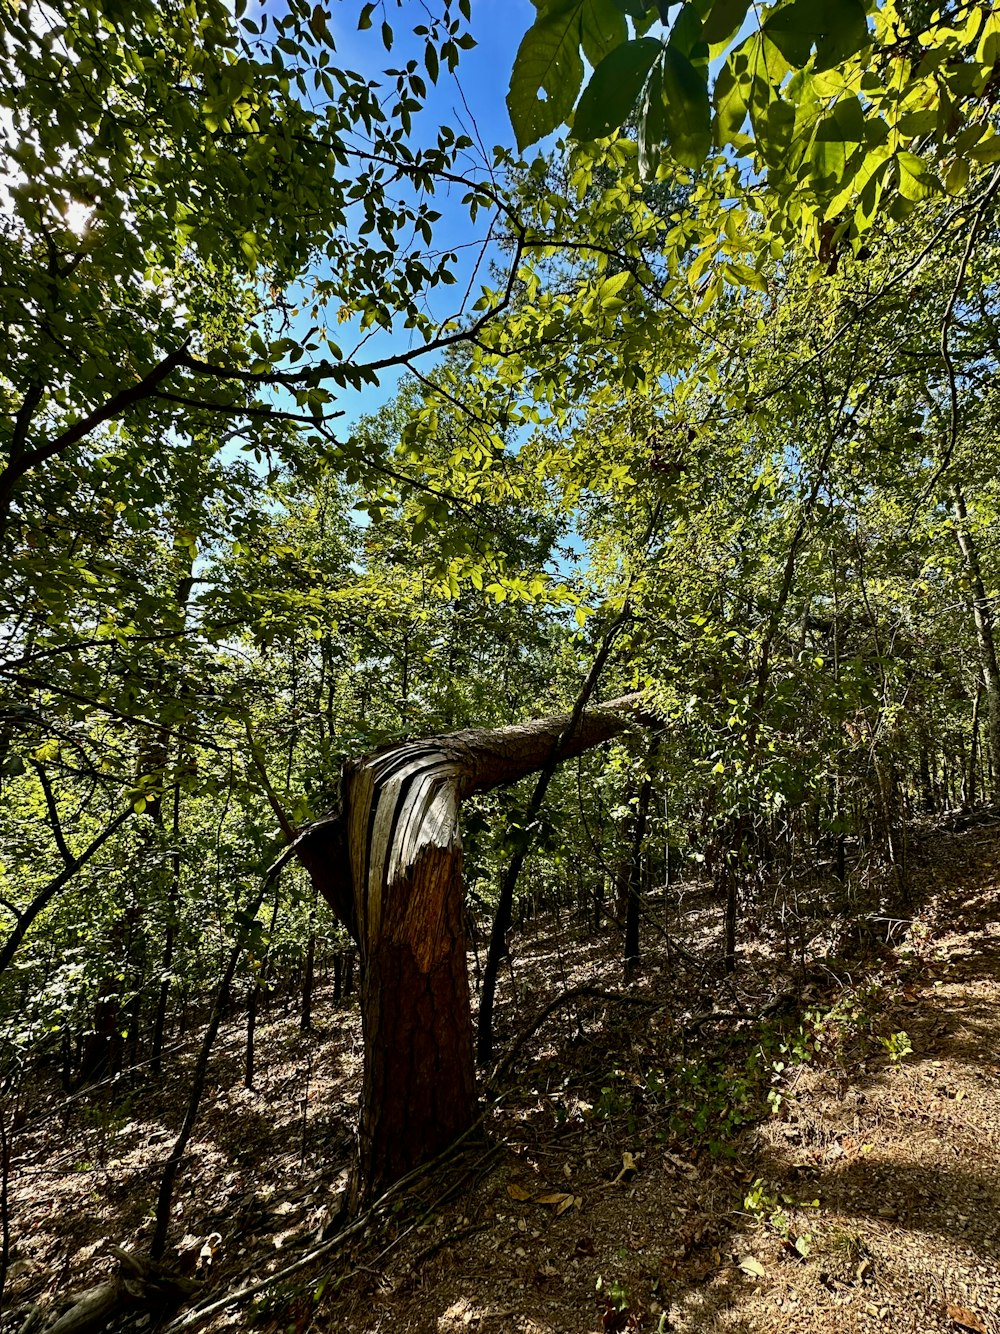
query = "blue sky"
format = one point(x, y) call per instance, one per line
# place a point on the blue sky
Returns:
point(473, 99)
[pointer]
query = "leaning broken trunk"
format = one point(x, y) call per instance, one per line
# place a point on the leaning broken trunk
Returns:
point(391, 868)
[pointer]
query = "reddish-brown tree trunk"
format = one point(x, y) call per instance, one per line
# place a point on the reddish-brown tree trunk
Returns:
point(391, 868)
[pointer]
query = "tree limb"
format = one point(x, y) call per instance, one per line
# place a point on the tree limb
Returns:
point(50, 802)
point(112, 407)
point(45, 896)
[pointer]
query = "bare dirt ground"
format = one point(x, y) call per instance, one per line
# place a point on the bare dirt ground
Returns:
point(810, 1145)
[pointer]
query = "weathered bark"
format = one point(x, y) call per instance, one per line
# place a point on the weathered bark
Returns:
point(391, 868)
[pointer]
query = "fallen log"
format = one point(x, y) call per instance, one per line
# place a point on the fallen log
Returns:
point(140, 1287)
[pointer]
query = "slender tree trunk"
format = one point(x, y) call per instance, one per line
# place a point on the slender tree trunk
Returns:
point(983, 616)
point(173, 899)
point(637, 871)
point(390, 865)
point(45, 896)
point(172, 1166)
point(260, 981)
point(732, 886)
point(6, 1133)
point(893, 824)
point(248, 1064)
point(970, 782)
point(308, 980)
point(598, 901)
point(503, 920)
point(926, 786)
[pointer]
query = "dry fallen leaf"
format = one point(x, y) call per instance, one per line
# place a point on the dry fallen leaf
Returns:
point(207, 1253)
point(835, 1284)
point(681, 1164)
point(965, 1319)
point(557, 1200)
point(630, 1165)
point(517, 1192)
point(752, 1266)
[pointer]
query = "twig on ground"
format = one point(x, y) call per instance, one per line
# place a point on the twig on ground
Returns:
point(587, 990)
point(590, 992)
point(197, 1314)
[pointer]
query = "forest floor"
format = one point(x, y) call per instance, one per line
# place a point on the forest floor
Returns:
point(810, 1145)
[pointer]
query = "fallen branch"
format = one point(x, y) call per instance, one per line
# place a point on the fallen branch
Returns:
point(590, 992)
point(197, 1314)
point(587, 990)
point(141, 1286)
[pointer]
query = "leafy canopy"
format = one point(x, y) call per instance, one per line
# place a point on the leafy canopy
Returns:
point(844, 108)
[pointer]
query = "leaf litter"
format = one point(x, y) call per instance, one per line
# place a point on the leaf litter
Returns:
point(901, 1153)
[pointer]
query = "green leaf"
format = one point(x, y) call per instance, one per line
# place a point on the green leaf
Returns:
point(686, 108)
point(365, 20)
point(614, 88)
point(318, 24)
point(652, 120)
point(846, 32)
point(916, 180)
point(779, 128)
point(862, 169)
point(837, 28)
point(602, 29)
point(608, 290)
point(845, 123)
point(793, 29)
point(547, 73)
point(986, 151)
point(723, 20)
point(958, 176)
point(731, 96)
point(829, 164)
point(686, 34)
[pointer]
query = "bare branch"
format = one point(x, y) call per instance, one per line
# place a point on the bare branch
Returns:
point(46, 895)
point(50, 802)
point(108, 410)
point(946, 323)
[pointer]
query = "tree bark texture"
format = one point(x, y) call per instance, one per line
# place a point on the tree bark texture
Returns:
point(390, 866)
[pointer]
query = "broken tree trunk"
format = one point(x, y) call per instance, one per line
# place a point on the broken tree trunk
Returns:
point(390, 866)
